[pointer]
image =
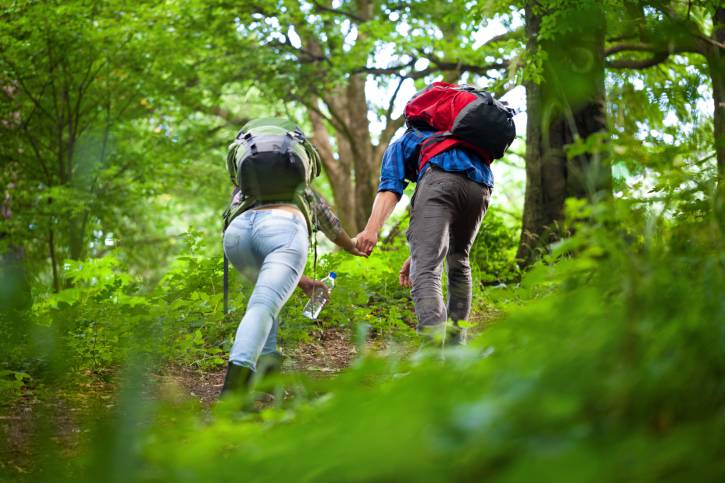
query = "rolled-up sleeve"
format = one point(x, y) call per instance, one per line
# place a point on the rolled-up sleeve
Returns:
point(393, 169)
point(325, 218)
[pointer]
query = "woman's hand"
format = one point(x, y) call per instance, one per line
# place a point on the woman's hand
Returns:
point(405, 274)
point(308, 285)
point(344, 241)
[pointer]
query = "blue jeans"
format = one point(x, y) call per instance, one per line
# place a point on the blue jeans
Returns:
point(269, 247)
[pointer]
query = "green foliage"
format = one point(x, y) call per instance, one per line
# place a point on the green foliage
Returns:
point(607, 366)
point(193, 322)
point(105, 314)
point(11, 384)
point(603, 353)
point(369, 292)
point(602, 363)
point(98, 316)
point(493, 253)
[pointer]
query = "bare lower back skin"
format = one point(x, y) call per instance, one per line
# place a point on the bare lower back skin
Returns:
point(282, 207)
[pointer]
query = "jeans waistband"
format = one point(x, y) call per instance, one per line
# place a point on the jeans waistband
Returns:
point(276, 213)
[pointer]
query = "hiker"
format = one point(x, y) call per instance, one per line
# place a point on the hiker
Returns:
point(268, 226)
point(454, 132)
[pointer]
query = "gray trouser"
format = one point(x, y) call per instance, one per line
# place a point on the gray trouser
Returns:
point(447, 209)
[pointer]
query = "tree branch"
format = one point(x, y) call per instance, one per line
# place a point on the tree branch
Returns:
point(440, 66)
point(630, 46)
point(473, 69)
point(303, 55)
point(344, 13)
point(389, 112)
point(511, 34)
point(638, 64)
point(393, 70)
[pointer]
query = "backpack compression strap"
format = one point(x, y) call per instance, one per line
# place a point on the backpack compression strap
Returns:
point(226, 284)
point(226, 266)
point(443, 141)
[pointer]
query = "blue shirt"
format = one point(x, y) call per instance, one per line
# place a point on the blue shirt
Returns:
point(401, 159)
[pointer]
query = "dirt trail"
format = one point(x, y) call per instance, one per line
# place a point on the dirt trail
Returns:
point(327, 353)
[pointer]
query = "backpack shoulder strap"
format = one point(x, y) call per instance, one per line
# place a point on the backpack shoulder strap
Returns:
point(427, 143)
point(233, 211)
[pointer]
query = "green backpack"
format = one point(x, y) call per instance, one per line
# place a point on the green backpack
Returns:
point(271, 159)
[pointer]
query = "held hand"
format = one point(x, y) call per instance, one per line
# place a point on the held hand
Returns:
point(354, 251)
point(366, 241)
point(405, 274)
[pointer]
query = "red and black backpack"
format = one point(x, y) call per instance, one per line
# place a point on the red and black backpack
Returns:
point(463, 117)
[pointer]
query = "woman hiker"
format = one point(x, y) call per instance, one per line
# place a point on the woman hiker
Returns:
point(270, 222)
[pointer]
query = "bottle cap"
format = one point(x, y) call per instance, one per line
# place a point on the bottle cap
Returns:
point(333, 275)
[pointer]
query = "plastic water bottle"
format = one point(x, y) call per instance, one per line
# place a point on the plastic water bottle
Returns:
point(319, 297)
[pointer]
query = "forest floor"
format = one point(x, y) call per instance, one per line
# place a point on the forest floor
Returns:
point(67, 413)
point(327, 353)
point(64, 418)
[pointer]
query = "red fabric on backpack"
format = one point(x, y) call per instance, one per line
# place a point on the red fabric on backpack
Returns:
point(439, 106)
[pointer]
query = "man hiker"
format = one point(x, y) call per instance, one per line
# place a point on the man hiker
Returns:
point(453, 189)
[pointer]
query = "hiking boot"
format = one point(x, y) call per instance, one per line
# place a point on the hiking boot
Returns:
point(237, 380)
point(269, 364)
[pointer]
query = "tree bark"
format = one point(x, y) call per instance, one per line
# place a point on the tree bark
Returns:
point(53, 260)
point(338, 169)
point(565, 106)
point(716, 64)
point(353, 172)
point(362, 150)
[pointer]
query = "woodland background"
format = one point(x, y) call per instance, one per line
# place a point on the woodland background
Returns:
point(599, 347)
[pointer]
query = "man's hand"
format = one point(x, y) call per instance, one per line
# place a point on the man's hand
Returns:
point(365, 241)
point(405, 274)
point(354, 251)
point(308, 285)
point(383, 206)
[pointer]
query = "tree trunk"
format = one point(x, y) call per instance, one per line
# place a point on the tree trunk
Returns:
point(339, 172)
point(15, 284)
point(76, 237)
point(716, 63)
point(565, 106)
point(53, 259)
point(354, 173)
point(366, 168)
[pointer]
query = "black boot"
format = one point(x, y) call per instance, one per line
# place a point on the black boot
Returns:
point(237, 380)
point(269, 364)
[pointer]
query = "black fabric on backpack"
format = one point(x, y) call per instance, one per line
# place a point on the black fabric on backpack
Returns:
point(270, 159)
point(271, 176)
